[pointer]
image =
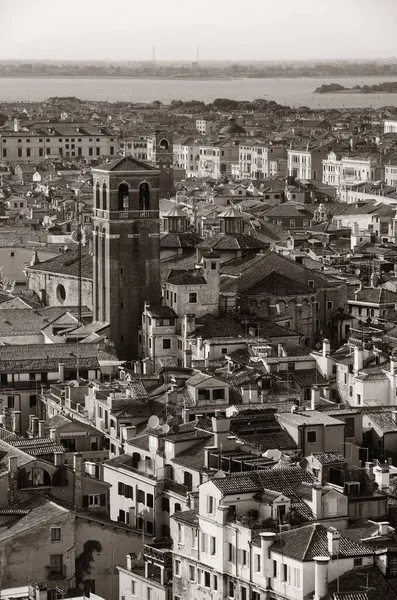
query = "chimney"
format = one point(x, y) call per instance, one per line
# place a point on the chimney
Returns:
point(245, 395)
point(326, 348)
point(221, 430)
point(253, 394)
point(16, 421)
point(189, 324)
point(131, 561)
point(383, 527)
point(187, 359)
point(78, 480)
point(333, 537)
point(129, 432)
point(223, 511)
point(321, 577)
point(369, 469)
point(315, 397)
point(59, 459)
point(393, 365)
point(358, 360)
point(53, 434)
point(35, 426)
point(31, 422)
point(185, 415)
point(61, 372)
point(41, 429)
point(12, 479)
point(317, 494)
point(267, 540)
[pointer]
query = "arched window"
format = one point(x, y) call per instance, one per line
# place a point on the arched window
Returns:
point(124, 197)
point(164, 145)
point(104, 197)
point(144, 196)
point(97, 194)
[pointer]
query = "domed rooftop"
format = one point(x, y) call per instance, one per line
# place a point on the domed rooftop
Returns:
point(175, 212)
point(230, 213)
point(233, 128)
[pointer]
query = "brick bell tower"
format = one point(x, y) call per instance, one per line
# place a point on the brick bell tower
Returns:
point(126, 228)
point(165, 162)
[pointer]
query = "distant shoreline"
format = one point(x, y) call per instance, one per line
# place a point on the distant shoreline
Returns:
point(189, 77)
point(386, 87)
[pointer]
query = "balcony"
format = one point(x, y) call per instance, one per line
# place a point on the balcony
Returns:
point(56, 574)
point(126, 214)
point(160, 556)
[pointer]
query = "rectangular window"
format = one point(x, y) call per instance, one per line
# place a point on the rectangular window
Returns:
point(192, 573)
point(207, 579)
point(210, 505)
point(311, 437)
point(177, 568)
point(244, 557)
point(133, 588)
point(330, 305)
point(212, 545)
point(121, 488)
point(243, 593)
point(149, 594)
point(218, 394)
point(194, 537)
point(350, 390)
point(274, 569)
point(56, 564)
point(193, 298)
point(56, 534)
point(230, 591)
point(180, 533)
point(257, 563)
point(149, 500)
point(165, 505)
point(166, 344)
point(230, 556)
point(215, 582)
point(140, 497)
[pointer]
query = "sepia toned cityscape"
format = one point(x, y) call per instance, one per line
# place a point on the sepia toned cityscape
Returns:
point(198, 300)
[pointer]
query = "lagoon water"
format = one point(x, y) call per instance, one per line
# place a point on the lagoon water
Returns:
point(293, 92)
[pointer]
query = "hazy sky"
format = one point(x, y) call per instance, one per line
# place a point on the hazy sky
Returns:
point(223, 29)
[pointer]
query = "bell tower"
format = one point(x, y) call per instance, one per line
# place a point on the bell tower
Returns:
point(126, 251)
point(165, 162)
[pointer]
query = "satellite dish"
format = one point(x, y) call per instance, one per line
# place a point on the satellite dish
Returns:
point(357, 272)
point(74, 383)
point(153, 422)
point(165, 428)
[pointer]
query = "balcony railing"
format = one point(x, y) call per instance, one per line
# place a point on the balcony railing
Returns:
point(126, 214)
point(158, 555)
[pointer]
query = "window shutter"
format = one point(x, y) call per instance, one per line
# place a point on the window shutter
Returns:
point(103, 499)
point(85, 501)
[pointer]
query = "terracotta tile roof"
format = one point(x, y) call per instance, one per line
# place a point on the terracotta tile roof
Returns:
point(235, 241)
point(67, 264)
point(186, 277)
point(125, 163)
point(283, 480)
point(46, 357)
point(275, 284)
point(179, 240)
point(306, 542)
point(329, 458)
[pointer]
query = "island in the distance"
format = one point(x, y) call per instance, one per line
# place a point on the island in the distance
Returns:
point(387, 87)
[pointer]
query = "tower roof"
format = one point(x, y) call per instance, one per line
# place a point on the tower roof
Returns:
point(125, 164)
point(230, 213)
point(176, 211)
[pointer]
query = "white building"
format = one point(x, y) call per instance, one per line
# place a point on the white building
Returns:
point(390, 126)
